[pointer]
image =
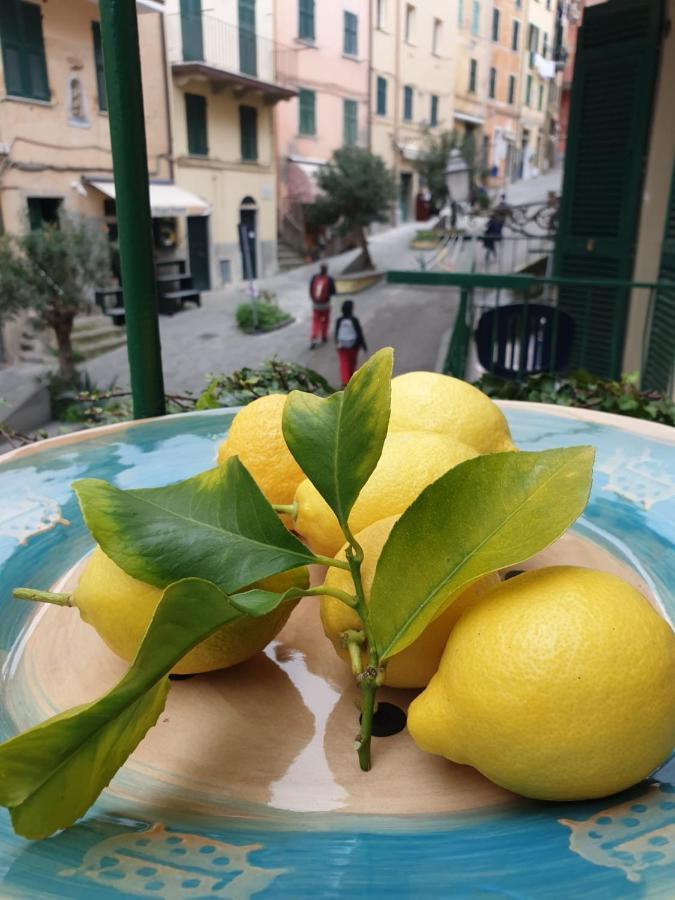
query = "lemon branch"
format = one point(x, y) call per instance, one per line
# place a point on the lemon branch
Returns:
point(288, 509)
point(42, 596)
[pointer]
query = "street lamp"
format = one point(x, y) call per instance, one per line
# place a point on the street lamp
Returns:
point(458, 178)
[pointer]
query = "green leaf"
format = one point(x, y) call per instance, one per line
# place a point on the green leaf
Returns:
point(51, 774)
point(258, 602)
point(337, 441)
point(486, 513)
point(217, 526)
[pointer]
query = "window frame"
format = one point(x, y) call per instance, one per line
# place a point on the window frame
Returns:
point(528, 90)
point(515, 34)
point(511, 96)
point(408, 103)
point(350, 123)
point(306, 94)
point(29, 49)
point(473, 76)
point(409, 24)
point(350, 33)
point(475, 17)
point(381, 87)
point(306, 20)
point(436, 36)
point(492, 84)
point(244, 110)
point(540, 98)
point(496, 23)
point(433, 111)
point(101, 89)
point(193, 102)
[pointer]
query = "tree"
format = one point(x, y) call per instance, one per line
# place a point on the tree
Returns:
point(358, 189)
point(433, 163)
point(52, 272)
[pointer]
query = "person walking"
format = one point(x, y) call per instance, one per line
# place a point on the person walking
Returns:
point(349, 340)
point(321, 289)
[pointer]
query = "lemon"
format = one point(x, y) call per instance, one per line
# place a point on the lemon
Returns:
point(557, 685)
point(120, 607)
point(255, 436)
point(427, 401)
point(410, 461)
point(414, 666)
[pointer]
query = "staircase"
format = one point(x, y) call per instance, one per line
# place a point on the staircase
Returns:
point(288, 258)
point(94, 335)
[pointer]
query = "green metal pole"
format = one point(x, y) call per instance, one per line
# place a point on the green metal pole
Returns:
point(121, 55)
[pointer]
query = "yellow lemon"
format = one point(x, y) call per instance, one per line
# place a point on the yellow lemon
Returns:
point(255, 436)
point(410, 461)
point(427, 401)
point(414, 666)
point(557, 685)
point(120, 607)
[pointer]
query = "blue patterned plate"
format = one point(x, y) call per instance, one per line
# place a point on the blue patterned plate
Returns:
point(311, 831)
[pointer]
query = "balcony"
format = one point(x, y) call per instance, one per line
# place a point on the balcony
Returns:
point(230, 56)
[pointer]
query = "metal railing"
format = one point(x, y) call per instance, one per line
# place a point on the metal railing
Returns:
point(537, 324)
point(229, 48)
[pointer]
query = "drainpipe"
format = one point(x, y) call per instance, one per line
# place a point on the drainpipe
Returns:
point(369, 100)
point(397, 100)
point(168, 83)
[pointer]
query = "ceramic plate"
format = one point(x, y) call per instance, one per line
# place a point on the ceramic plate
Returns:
point(217, 803)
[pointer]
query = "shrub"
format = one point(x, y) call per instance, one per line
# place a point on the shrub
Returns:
point(268, 315)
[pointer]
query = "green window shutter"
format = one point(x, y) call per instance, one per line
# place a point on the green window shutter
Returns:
point(433, 121)
point(495, 24)
point(248, 132)
point(23, 50)
point(660, 361)
point(407, 103)
point(515, 34)
point(492, 86)
point(192, 32)
point(528, 90)
point(540, 100)
point(351, 34)
point(381, 96)
point(473, 75)
point(307, 106)
point(475, 17)
point(610, 112)
point(512, 88)
point(98, 63)
point(350, 122)
point(306, 20)
point(197, 132)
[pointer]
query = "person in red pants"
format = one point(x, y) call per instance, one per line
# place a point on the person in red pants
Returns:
point(321, 289)
point(349, 340)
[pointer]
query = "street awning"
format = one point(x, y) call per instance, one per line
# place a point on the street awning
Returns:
point(165, 199)
point(465, 117)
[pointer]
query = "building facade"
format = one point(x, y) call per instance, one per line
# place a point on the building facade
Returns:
point(472, 81)
point(331, 47)
point(411, 89)
point(228, 73)
point(502, 106)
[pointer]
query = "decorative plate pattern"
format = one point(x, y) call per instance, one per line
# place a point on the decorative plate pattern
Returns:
point(622, 846)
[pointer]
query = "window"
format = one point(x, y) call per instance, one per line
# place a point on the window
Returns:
point(540, 101)
point(350, 43)
point(460, 13)
point(306, 20)
point(436, 37)
point(512, 88)
point(381, 107)
point(492, 86)
point(473, 73)
point(197, 135)
point(515, 34)
point(23, 50)
point(43, 211)
point(433, 118)
point(349, 122)
point(409, 23)
point(475, 17)
point(528, 90)
point(248, 133)
point(381, 14)
point(495, 24)
point(307, 106)
point(544, 49)
point(532, 41)
point(98, 63)
point(407, 103)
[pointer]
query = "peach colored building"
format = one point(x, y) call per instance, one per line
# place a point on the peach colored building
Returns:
point(502, 106)
point(331, 44)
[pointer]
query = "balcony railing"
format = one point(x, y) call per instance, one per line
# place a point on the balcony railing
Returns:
point(226, 49)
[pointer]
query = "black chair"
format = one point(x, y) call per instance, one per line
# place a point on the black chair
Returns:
point(516, 341)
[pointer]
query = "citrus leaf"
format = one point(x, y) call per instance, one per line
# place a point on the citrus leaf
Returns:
point(482, 515)
point(258, 602)
point(51, 774)
point(216, 525)
point(337, 441)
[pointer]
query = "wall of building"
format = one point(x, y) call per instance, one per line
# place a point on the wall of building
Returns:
point(414, 63)
point(501, 114)
point(655, 196)
point(320, 66)
point(535, 139)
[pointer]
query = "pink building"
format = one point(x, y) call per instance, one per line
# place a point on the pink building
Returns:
point(331, 44)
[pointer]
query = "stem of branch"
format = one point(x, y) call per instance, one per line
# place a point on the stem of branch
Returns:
point(43, 596)
point(289, 509)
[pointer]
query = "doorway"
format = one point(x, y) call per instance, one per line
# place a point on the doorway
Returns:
point(405, 196)
point(248, 215)
point(198, 250)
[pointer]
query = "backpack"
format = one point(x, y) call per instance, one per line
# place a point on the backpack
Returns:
point(320, 290)
point(346, 334)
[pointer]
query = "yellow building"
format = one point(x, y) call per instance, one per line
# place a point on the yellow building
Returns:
point(537, 86)
point(227, 73)
point(411, 86)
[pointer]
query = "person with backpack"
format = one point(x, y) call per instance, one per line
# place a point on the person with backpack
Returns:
point(349, 340)
point(321, 289)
